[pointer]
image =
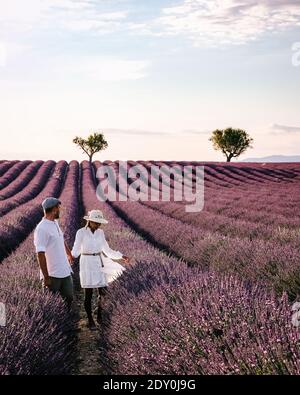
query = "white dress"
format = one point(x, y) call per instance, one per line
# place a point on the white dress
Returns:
point(91, 272)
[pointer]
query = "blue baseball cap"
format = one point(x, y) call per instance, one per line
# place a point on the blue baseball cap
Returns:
point(50, 202)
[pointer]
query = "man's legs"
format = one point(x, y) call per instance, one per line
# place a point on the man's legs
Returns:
point(55, 285)
point(66, 290)
point(63, 286)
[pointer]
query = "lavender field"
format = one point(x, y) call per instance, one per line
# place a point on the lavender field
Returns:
point(205, 293)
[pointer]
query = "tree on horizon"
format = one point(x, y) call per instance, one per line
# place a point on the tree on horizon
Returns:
point(92, 144)
point(232, 142)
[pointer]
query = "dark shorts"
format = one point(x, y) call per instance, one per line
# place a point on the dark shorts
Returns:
point(63, 286)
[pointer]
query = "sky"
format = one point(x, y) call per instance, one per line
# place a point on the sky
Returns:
point(155, 77)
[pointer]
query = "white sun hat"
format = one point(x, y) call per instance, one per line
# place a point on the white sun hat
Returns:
point(96, 216)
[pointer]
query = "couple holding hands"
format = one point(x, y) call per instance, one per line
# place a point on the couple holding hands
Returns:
point(97, 265)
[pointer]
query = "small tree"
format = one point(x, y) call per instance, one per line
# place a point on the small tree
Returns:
point(94, 143)
point(232, 142)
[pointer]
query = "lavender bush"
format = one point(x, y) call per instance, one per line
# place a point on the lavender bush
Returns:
point(270, 261)
point(21, 181)
point(216, 306)
point(18, 223)
point(6, 165)
point(198, 323)
point(38, 337)
point(169, 332)
point(13, 173)
point(24, 193)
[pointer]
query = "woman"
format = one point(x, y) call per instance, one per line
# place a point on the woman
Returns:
point(95, 270)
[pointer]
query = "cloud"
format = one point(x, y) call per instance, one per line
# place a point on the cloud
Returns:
point(280, 129)
point(205, 22)
point(18, 18)
point(101, 68)
point(187, 132)
point(221, 22)
point(141, 132)
point(94, 21)
point(195, 132)
point(135, 132)
point(68, 15)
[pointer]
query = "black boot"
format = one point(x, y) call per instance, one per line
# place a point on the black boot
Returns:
point(91, 324)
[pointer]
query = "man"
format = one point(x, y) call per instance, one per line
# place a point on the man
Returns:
point(53, 255)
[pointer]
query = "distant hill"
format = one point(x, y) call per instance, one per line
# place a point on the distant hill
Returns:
point(274, 158)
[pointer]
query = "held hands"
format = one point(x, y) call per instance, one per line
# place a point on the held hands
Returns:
point(69, 254)
point(70, 258)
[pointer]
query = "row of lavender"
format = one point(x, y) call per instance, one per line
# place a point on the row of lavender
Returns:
point(11, 174)
point(149, 285)
point(16, 185)
point(219, 176)
point(277, 199)
point(227, 176)
point(253, 208)
point(271, 203)
point(6, 165)
point(163, 317)
point(275, 263)
point(26, 187)
point(252, 221)
point(267, 212)
point(19, 222)
point(38, 336)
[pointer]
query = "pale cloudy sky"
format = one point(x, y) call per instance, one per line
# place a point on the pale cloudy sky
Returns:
point(156, 76)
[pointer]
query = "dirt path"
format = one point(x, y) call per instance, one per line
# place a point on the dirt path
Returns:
point(88, 351)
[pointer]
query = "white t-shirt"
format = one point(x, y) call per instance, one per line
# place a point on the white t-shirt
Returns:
point(49, 238)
